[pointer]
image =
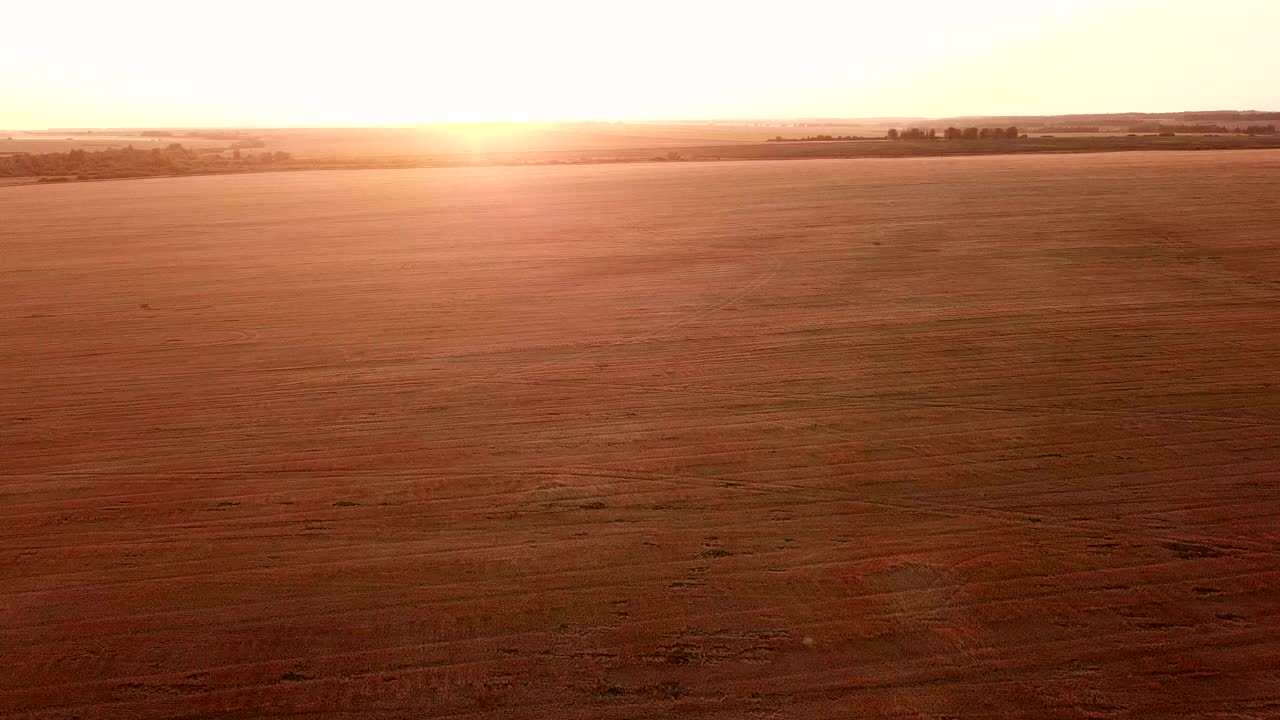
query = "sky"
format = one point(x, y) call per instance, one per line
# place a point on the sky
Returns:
point(272, 63)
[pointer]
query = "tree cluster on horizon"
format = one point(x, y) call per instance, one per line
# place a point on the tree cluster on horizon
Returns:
point(818, 138)
point(126, 162)
point(955, 133)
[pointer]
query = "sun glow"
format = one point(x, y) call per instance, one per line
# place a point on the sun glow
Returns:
point(273, 63)
point(481, 131)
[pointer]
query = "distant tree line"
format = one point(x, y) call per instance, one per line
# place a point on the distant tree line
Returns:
point(955, 133)
point(1163, 127)
point(128, 162)
point(912, 134)
point(1085, 122)
point(1068, 129)
point(818, 138)
point(1220, 115)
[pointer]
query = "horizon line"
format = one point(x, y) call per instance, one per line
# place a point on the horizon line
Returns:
point(623, 121)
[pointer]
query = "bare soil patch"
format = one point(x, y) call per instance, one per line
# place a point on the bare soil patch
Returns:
point(949, 437)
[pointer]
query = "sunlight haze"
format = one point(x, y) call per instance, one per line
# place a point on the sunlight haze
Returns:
point(236, 63)
point(583, 359)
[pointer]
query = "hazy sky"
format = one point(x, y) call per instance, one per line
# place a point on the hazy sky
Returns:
point(80, 63)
